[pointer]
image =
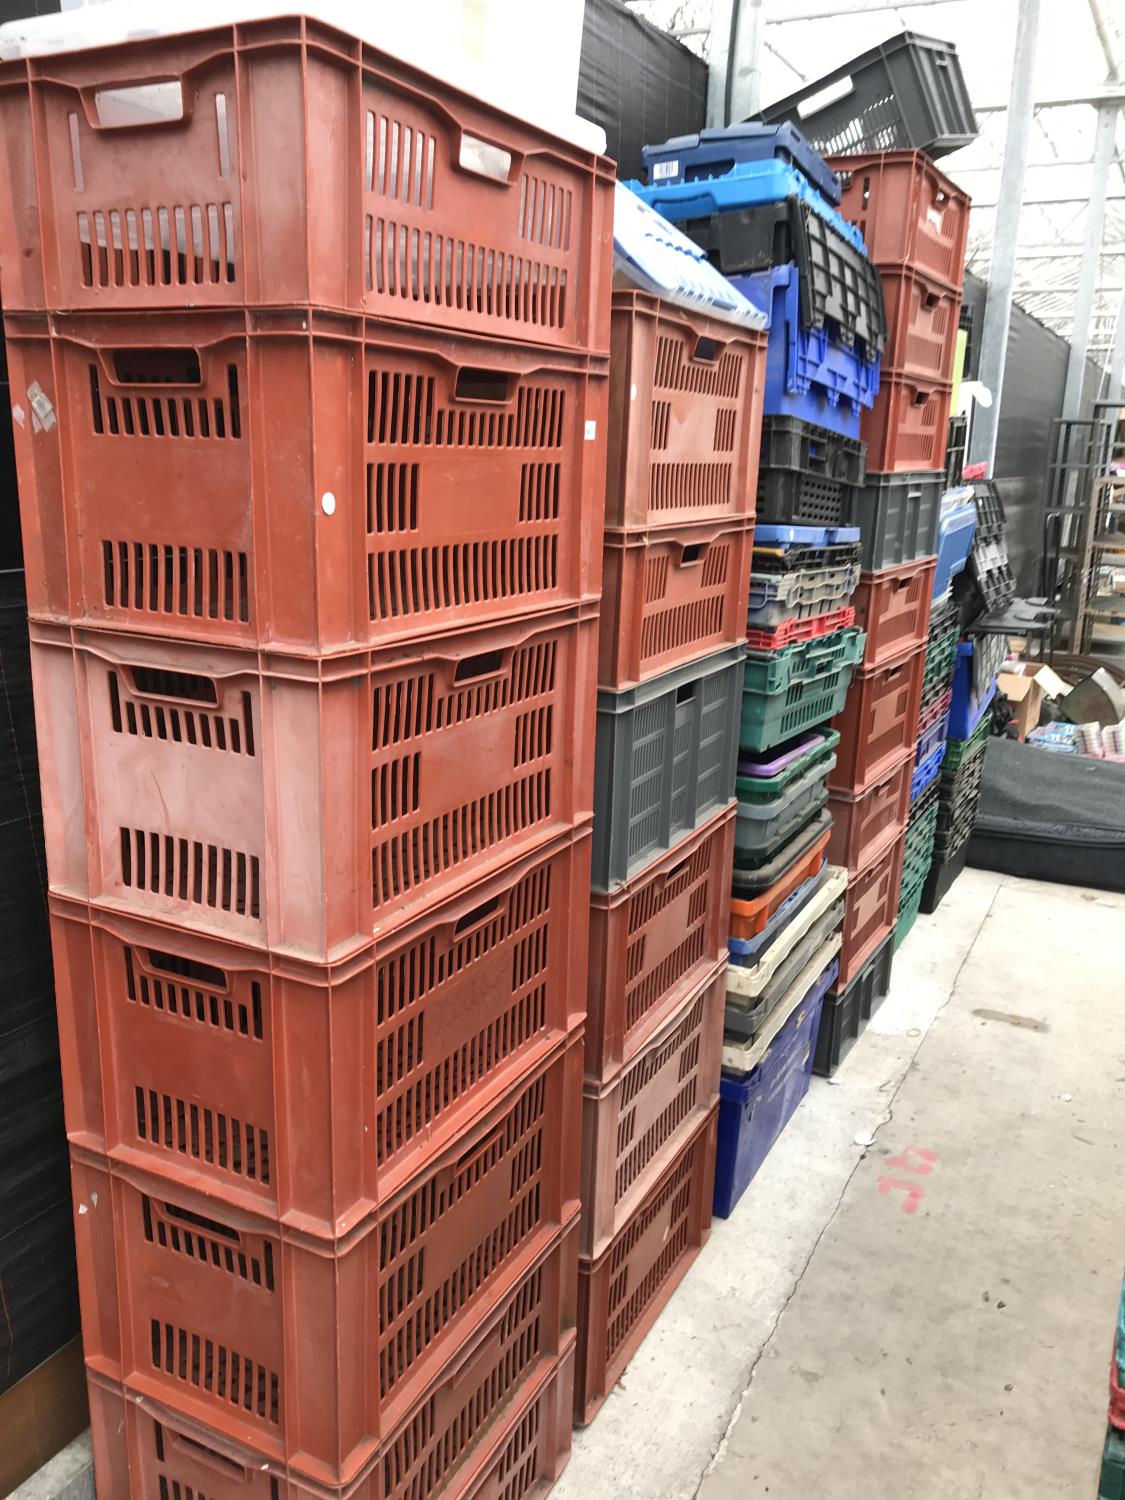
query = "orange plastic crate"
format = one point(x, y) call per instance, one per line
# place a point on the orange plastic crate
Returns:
point(302, 482)
point(911, 215)
point(284, 161)
point(870, 910)
point(146, 1452)
point(671, 596)
point(893, 607)
point(312, 1093)
point(624, 1291)
point(685, 418)
point(864, 824)
point(311, 1354)
point(655, 938)
point(878, 722)
point(749, 918)
point(922, 322)
point(304, 806)
point(638, 1120)
point(908, 427)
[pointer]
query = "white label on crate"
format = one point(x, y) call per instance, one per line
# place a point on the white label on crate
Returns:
point(591, 432)
point(18, 414)
point(633, 391)
point(328, 503)
point(663, 169)
point(935, 217)
point(42, 410)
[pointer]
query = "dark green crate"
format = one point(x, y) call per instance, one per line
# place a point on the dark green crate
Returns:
point(797, 688)
point(941, 655)
point(959, 751)
point(1112, 1484)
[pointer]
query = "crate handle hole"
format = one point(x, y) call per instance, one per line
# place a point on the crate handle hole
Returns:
point(677, 870)
point(706, 351)
point(200, 1221)
point(483, 385)
point(139, 105)
point(484, 159)
point(156, 366)
point(209, 1455)
point(920, 398)
point(686, 692)
point(485, 664)
point(187, 687)
point(186, 968)
point(478, 915)
point(691, 553)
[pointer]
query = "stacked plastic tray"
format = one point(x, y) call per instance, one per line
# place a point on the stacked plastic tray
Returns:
point(313, 511)
point(686, 393)
point(914, 222)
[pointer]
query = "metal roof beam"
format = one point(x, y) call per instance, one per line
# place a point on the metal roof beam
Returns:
point(1050, 202)
point(1099, 96)
point(840, 11)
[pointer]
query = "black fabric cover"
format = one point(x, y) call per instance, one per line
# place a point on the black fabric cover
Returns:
point(1051, 817)
point(640, 85)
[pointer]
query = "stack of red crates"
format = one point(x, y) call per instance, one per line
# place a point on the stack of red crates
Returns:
point(915, 223)
point(311, 355)
point(685, 428)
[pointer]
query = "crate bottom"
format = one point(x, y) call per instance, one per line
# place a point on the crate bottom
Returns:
point(847, 1012)
point(943, 872)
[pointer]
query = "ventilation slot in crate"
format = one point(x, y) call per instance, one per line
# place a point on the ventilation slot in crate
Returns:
point(216, 1371)
point(151, 416)
point(628, 1301)
point(207, 1135)
point(190, 991)
point(206, 1240)
point(171, 1488)
point(182, 725)
point(680, 1057)
point(160, 579)
point(188, 870)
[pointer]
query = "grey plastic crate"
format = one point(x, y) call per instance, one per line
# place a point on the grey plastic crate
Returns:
point(777, 598)
point(762, 827)
point(899, 516)
point(665, 760)
point(745, 1021)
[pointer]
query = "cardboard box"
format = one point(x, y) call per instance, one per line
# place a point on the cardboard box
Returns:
point(1025, 686)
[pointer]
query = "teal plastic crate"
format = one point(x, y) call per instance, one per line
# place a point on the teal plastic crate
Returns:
point(759, 789)
point(797, 687)
point(1112, 1485)
point(917, 856)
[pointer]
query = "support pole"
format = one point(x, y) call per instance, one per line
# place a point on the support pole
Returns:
point(1005, 235)
point(746, 64)
point(1117, 356)
point(1088, 269)
point(718, 62)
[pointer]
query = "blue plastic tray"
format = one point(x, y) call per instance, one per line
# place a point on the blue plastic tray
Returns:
point(712, 153)
point(661, 260)
point(927, 772)
point(805, 536)
point(744, 951)
point(936, 735)
point(968, 708)
point(745, 186)
point(755, 1109)
point(809, 374)
point(956, 526)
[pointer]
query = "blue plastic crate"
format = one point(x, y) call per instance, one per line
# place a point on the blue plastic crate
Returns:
point(956, 526)
point(712, 153)
point(746, 185)
point(805, 536)
point(936, 735)
point(659, 259)
point(755, 1109)
point(809, 374)
point(927, 772)
point(969, 704)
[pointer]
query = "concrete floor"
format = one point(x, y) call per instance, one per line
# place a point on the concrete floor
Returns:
point(916, 1296)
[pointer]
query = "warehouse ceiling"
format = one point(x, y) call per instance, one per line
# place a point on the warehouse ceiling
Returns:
point(1081, 46)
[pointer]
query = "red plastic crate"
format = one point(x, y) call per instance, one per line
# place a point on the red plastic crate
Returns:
point(878, 722)
point(283, 161)
point(670, 597)
point(908, 427)
point(870, 910)
point(145, 1452)
point(911, 216)
point(331, 1085)
point(685, 416)
point(302, 482)
point(866, 823)
point(306, 806)
point(922, 322)
point(893, 607)
point(800, 630)
point(634, 1123)
point(313, 1354)
point(653, 940)
point(624, 1291)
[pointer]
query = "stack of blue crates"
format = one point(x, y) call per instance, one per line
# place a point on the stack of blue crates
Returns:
point(764, 207)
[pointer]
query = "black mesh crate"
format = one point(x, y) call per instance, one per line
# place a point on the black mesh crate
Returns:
point(991, 521)
point(846, 1013)
point(808, 475)
point(956, 450)
point(907, 93)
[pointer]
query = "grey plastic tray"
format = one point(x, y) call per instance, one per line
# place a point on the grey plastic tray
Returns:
point(776, 598)
point(745, 1021)
point(762, 827)
point(899, 516)
point(665, 760)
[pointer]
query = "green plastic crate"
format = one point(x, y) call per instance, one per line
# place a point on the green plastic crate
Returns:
point(1112, 1485)
point(919, 843)
point(941, 654)
point(957, 752)
point(909, 905)
point(798, 687)
point(759, 789)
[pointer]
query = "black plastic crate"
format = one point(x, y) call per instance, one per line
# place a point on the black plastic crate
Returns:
point(943, 872)
point(845, 555)
point(991, 520)
point(907, 93)
point(958, 813)
point(808, 475)
point(956, 451)
point(846, 1013)
point(838, 286)
point(716, 152)
point(986, 584)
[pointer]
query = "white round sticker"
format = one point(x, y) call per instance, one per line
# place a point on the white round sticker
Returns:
point(328, 503)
